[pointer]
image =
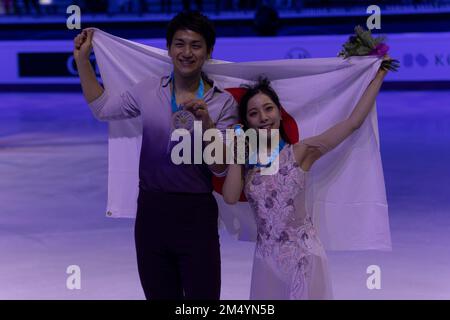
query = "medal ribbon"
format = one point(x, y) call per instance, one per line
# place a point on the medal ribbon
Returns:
point(199, 95)
point(274, 154)
point(177, 108)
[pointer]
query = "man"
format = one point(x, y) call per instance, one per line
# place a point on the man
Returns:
point(176, 230)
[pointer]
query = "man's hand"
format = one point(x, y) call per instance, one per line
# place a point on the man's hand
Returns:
point(83, 45)
point(200, 110)
point(81, 51)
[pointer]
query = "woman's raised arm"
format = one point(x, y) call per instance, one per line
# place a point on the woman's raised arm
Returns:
point(311, 149)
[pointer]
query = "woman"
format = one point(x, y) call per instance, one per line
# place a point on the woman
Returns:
point(289, 260)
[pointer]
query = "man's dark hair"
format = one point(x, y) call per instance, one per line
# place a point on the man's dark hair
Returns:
point(194, 21)
point(261, 86)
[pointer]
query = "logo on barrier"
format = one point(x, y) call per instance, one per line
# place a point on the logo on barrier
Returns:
point(50, 64)
point(297, 53)
point(441, 60)
point(420, 59)
point(71, 65)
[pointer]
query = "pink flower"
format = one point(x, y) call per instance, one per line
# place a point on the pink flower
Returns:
point(380, 50)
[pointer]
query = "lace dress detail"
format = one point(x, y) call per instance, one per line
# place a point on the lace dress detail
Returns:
point(288, 251)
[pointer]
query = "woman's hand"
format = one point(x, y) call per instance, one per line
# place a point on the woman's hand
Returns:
point(382, 71)
point(83, 45)
point(388, 64)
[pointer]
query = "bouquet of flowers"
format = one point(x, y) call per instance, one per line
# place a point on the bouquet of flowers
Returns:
point(362, 43)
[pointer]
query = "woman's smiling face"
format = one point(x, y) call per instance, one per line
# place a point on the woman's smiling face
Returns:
point(263, 113)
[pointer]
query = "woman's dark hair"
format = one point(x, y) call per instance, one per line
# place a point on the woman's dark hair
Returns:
point(194, 21)
point(261, 86)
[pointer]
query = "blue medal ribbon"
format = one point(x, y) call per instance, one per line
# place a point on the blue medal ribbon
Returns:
point(199, 95)
point(274, 154)
point(179, 108)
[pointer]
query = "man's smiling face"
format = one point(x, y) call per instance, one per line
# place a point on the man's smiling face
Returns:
point(189, 52)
